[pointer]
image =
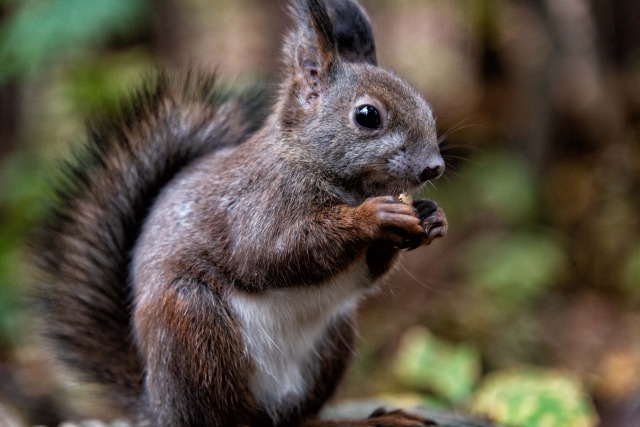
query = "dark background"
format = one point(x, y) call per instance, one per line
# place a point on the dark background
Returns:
point(538, 103)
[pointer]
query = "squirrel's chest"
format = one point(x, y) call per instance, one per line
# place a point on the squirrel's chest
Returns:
point(282, 328)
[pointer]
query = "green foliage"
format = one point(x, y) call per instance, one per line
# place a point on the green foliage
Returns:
point(20, 188)
point(496, 184)
point(98, 87)
point(429, 363)
point(506, 261)
point(532, 397)
point(514, 268)
point(631, 274)
point(522, 397)
point(41, 30)
point(504, 185)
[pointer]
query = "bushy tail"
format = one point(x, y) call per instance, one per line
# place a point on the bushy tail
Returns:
point(81, 252)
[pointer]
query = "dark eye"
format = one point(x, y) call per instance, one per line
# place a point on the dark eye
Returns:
point(367, 116)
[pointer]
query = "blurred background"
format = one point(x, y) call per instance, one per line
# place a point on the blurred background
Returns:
point(529, 308)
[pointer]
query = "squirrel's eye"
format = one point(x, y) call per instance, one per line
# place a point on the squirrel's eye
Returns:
point(367, 116)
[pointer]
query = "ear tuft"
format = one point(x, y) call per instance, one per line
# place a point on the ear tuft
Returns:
point(353, 32)
point(311, 47)
point(322, 27)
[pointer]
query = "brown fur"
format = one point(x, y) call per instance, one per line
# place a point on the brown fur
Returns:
point(223, 222)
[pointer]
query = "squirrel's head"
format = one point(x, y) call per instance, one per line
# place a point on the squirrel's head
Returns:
point(365, 126)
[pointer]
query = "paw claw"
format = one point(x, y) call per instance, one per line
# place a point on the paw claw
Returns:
point(432, 218)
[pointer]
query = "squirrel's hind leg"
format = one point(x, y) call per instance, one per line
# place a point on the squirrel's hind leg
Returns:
point(192, 349)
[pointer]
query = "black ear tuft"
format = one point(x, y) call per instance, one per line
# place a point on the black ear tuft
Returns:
point(353, 32)
point(322, 27)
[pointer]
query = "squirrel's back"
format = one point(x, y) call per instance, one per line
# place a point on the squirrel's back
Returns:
point(82, 252)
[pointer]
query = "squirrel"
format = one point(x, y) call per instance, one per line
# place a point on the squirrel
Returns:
point(202, 262)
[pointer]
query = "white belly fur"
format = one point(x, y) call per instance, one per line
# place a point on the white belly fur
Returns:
point(281, 328)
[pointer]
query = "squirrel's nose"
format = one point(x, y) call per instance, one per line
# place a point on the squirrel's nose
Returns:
point(433, 170)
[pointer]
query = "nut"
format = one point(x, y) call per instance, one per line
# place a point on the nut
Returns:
point(406, 198)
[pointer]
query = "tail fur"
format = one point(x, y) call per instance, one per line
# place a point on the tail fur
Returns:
point(81, 252)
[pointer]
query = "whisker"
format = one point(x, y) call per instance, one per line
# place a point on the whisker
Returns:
point(461, 147)
point(456, 128)
point(432, 184)
point(453, 156)
point(420, 282)
point(454, 173)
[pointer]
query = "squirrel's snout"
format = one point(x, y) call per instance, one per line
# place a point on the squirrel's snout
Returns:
point(434, 170)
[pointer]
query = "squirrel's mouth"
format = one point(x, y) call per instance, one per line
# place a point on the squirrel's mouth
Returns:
point(391, 187)
point(380, 183)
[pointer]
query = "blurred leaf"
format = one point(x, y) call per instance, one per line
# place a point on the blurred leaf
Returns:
point(426, 362)
point(497, 184)
point(98, 86)
point(515, 267)
point(504, 185)
point(20, 187)
point(631, 274)
point(532, 397)
point(12, 314)
point(43, 29)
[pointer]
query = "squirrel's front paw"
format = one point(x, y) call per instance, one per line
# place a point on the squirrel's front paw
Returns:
point(391, 220)
point(432, 218)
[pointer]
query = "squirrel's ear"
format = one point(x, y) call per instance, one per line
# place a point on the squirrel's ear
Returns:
point(312, 46)
point(353, 32)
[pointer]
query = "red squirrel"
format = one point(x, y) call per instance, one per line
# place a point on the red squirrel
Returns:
point(203, 265)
